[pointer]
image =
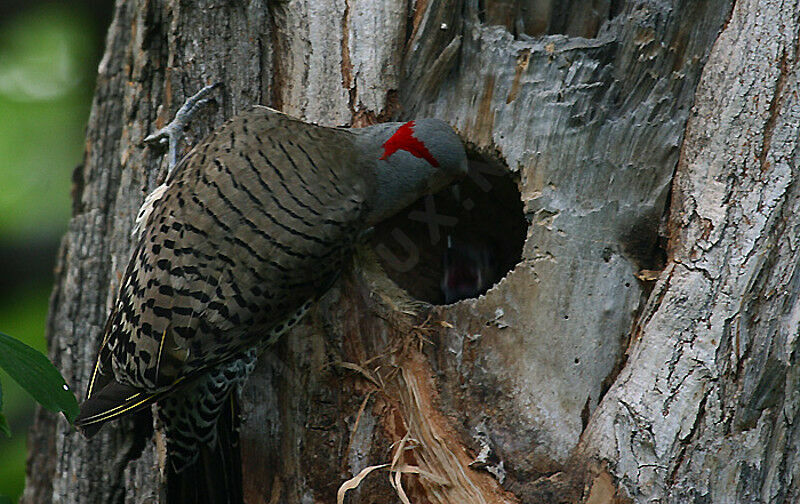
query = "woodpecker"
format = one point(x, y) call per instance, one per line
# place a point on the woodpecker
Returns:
point(249, 229)
point(469, 269)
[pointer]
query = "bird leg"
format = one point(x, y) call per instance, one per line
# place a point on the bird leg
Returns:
point(171, 133)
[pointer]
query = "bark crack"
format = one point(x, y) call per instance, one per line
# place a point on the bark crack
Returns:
point(776, 104)
point(685, 442)
point(346, 64)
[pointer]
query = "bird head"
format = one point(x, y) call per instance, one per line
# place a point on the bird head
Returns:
point(413, 159)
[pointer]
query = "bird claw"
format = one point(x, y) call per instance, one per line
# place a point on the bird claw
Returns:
point(171, 133)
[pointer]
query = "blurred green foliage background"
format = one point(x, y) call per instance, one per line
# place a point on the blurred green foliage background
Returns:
point(48, 60)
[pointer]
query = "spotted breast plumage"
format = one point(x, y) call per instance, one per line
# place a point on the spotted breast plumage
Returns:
point(249, 229)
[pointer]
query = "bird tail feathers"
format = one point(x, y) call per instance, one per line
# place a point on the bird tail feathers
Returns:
point(215, 475)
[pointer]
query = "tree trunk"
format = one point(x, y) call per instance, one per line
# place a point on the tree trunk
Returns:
point(641, 347)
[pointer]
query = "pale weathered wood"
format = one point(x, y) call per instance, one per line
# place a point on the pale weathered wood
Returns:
point(714, 421)
point(576, 378)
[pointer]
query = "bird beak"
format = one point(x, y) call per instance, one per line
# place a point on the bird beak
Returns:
point(464, 168)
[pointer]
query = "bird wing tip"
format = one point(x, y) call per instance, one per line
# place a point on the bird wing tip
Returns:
point(112, 401)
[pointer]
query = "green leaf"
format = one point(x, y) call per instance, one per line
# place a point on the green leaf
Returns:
point(37, 375)
point(3, 424)
point(5, 500)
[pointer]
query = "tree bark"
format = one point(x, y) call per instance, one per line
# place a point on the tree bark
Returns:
point(641, 350)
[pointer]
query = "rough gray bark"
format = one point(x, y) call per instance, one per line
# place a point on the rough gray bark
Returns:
point(715, 420)
point(579, 377)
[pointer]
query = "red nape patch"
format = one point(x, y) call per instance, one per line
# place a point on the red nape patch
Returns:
point(404, 139)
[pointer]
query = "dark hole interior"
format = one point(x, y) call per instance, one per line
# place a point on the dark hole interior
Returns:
point(457, 243)
point(575, 18)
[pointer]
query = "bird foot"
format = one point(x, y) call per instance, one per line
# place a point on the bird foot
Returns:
point(171, 133)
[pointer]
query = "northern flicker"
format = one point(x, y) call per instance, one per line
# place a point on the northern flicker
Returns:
point(249, 229)
point(469, 269)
